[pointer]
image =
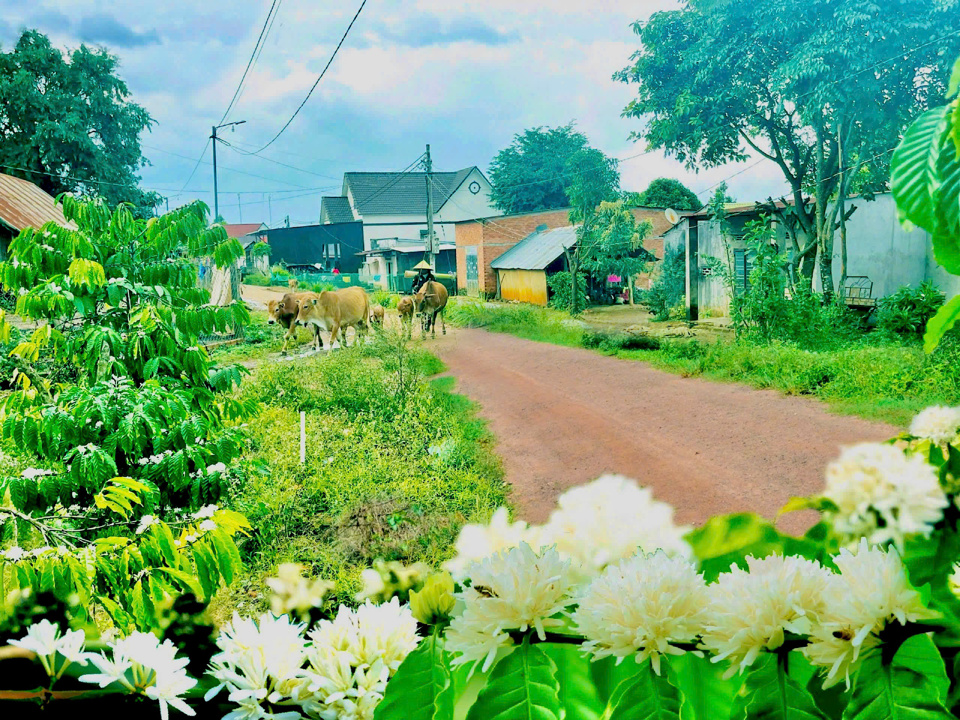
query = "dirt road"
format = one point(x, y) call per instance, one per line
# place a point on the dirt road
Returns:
point(562, 416)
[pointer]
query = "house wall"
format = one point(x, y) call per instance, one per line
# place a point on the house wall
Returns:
point(468, 234)
point(464, 205)
point(528, 286)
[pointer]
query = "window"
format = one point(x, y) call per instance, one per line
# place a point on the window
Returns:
point(742, 265)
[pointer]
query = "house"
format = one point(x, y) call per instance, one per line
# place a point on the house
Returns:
point(480, 241)
point(398, 255)
point(331, 245)
point(882, 255)
point(23, 205)
point(523, 269)
point(392, 206)
point(248, 235)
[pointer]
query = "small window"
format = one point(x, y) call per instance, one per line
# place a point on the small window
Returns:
point(742, 266)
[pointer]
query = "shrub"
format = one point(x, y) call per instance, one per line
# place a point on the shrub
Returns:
point(385, 298)
point(257, 278)
point(560, 289)
point(669, 288)
point(906, 311)
point(280, 271)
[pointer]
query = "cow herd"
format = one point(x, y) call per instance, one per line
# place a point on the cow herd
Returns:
point(336, 310)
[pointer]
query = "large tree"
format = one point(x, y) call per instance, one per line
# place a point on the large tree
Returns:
point(533, 173)
point(67, 122)
point(823, 88)
point(667, 193)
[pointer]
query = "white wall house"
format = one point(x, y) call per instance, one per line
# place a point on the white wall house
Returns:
point(393, 209)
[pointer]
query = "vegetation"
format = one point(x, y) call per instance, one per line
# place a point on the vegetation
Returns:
point(97, 152)
point(668, 291)
point(908, 310)
point(667, 193)
point(796, 65)
point(535, 172)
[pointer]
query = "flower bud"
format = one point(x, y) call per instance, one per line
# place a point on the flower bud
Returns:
point(434, 603)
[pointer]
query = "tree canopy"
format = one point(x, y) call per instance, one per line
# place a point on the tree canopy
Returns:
point(667, 193)
point(68, 121)
point(823, 88)
point(537, 169)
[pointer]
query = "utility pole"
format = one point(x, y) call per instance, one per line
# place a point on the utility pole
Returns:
point(239, 207)
point(431, 245)
point(213, 136)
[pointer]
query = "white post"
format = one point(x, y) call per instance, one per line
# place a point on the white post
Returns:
point(303, 437)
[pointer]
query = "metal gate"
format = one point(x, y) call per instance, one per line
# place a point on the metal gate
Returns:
point(473, 274)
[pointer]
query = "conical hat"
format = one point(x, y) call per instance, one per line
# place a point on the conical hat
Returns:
point(423, 265)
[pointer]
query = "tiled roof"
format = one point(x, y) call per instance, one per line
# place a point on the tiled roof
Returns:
point(392, 193)
point(238, 230)
point(23, 205)
point(335, 210)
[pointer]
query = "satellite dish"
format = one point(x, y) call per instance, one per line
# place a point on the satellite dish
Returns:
point(672, 216)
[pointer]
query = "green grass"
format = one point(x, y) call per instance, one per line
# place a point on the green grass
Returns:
point(876, 377)
point(396, 464)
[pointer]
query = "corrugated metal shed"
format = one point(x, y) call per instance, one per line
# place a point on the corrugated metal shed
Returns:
point(538, 250)
point(23, 205)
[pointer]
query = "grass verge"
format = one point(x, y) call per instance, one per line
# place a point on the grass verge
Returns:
point(876, 378)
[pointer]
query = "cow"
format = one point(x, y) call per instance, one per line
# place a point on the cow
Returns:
point(430, 301)
point(284, 312)
point(405, 312)
point(293, 283)
point(336, 310)
point(376, 315)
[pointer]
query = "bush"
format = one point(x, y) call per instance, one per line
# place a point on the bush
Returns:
point(385, 298)
point(906, 311)
point(257, 278)
point(280, 271)
point(560, 287)
point(669, 288)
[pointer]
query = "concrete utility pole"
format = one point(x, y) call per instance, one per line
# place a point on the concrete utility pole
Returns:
point(213, 136)
point(431, 245)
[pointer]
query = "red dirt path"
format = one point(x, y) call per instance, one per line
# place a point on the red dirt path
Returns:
point(562, 416)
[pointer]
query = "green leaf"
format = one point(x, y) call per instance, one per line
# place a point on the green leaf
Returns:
point(915, 180)
point(705, 695)
point(523, 686)
point(422, 688)
point(911, 687)
point(930, 563)
point(941, 323)
point(579, 698)
point(815, 502)
point(770, 693)
point(644, 696)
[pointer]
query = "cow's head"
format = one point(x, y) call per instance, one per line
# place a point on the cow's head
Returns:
point(310, 308)
point(274, 308)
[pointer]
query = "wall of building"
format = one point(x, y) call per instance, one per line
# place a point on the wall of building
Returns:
point(527, 286)
point(464, 205)
point(467, 234)
point(305, 244)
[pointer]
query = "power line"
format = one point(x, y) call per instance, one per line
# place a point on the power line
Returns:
point(229, 169)
point(406, 171)
point(276, 162)
point(314, 87)
point(264, 32)
point(195, 166)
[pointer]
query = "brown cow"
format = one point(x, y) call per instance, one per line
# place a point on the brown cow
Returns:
point(293, 283)
point(405, 311)
point(284, 312)
point(430, 301)
point(336, 310)
point(376, 315)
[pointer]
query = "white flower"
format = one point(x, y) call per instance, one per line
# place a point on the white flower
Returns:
point(937, 423)
point(167, 689)
point(207, 526)
point(883, 495)
point(513, 590)
point(750, 612)
point(13, 554)
point(642, 605)
point(870, 592)
point(293, 593)
point(41, 638)
point(610, 519)
point(145, 522)
point(207, 511)
point(216, 468)
point(477, 542)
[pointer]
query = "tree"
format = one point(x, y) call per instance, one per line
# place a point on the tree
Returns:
point(669, 193)
point(533, 172)
point(593, 180)
point(68, 121)
point(823, 88)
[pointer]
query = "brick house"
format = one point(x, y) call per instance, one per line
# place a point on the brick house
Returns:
point(481, 241)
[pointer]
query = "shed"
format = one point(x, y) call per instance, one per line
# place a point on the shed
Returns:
point(523, 269)
point(23, 205)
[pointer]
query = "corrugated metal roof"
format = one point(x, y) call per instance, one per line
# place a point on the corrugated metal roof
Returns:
point(335, 210)
point(538, 250)
point(392, 193)
point(23, 205)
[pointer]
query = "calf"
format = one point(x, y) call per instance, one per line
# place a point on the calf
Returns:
point(336, 310)
point(284, 312)
point(293, 283)
point(376, 315)
point(430, 301)
point(405, 311)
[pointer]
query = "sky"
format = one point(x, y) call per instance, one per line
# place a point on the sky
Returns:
point(464, 77)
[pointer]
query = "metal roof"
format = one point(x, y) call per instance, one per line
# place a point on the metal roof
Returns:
point(335, 210)
point(23, 205)
point(538, 250)
point(393, 193)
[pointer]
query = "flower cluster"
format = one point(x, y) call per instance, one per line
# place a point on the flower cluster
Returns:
point(340, 670)
point(516, 589)
point(386, 580)
point(594, 525)
point(44, 640)
point(938, 424)
point(294, 594)
point(883, 494)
